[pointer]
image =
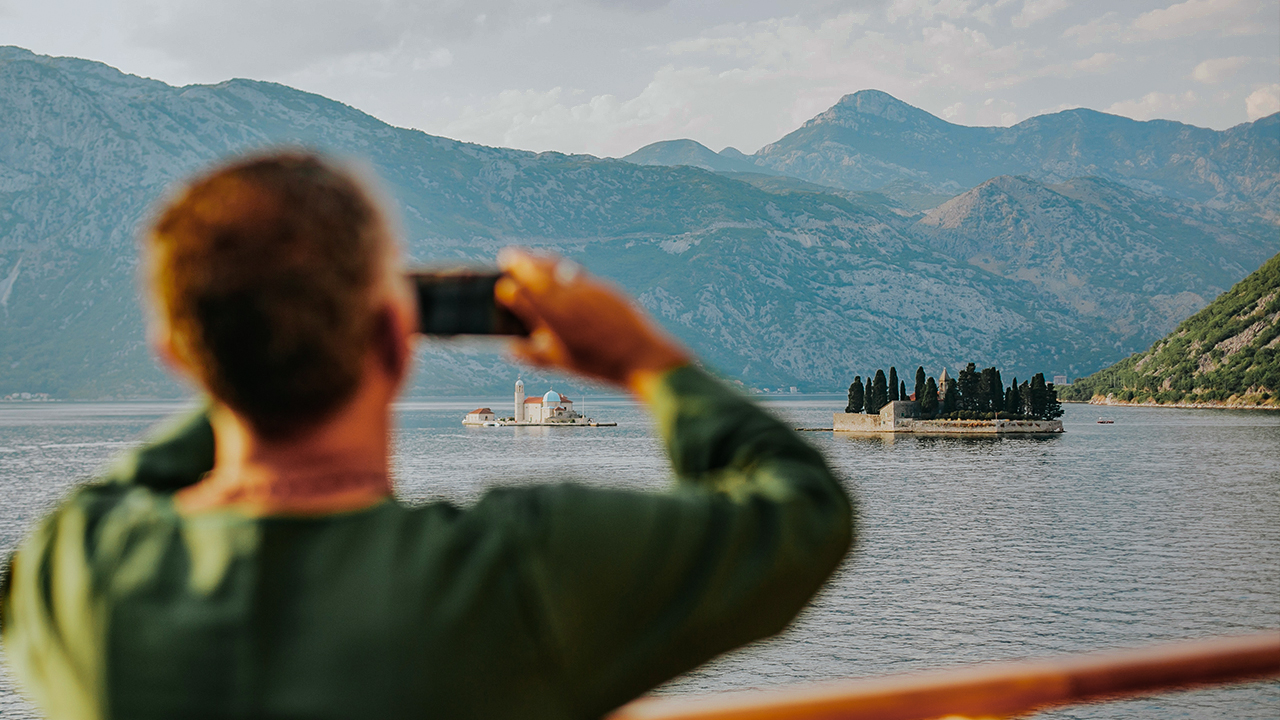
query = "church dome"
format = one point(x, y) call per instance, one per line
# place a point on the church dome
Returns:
point(551, 398)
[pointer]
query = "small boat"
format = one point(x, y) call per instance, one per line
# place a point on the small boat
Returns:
point(1106, 421)
point(491, 423)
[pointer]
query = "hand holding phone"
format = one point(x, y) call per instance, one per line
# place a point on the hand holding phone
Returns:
point(583, 324)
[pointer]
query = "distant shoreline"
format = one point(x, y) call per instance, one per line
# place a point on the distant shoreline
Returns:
point(1103, 402)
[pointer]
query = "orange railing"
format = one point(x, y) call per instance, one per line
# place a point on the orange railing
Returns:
point(989, 691)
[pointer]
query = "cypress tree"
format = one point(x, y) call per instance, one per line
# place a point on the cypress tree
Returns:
point(866, 394)
point(1052, 408)
point(1024, 398)
point(893, 384)
point(855, 396)
point(1012, 403)
point(902, 390)
point(879, 393)
point(967, 389)
point(997, 391)
point(928, 399)
point(1039, 397)
point(982, 403)
point(920, 383)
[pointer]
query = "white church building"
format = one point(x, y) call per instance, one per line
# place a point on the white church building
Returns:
point(552, 407)
point(549, 409)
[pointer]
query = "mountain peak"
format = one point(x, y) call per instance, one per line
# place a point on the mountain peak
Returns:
point(876, 103)
point(692, 153)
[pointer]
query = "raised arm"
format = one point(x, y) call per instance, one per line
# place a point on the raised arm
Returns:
point(630, 589)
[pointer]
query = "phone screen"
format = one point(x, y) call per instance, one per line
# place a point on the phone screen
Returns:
point(461, 302)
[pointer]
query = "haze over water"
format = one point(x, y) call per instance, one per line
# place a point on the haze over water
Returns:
point(1163, 526)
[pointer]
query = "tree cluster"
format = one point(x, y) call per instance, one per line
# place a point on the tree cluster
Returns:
point(972, 395)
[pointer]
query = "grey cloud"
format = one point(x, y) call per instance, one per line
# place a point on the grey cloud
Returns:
point(247, 37)
point(643, 5)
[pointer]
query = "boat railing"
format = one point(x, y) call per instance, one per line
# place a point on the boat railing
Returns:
point(997, 690)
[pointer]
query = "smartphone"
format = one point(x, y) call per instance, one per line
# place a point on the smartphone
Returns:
point(461, 302)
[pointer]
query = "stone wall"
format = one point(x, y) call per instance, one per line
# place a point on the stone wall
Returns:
point(891, 420)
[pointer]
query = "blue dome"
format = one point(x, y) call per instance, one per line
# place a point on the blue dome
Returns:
point(551, 398)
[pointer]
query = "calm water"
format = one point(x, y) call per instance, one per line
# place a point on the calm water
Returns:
point(1165, 525)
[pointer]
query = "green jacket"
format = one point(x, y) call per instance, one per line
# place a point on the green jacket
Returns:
point(537, 602)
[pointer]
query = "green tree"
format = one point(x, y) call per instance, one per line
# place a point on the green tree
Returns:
point(1012, 403)
point(1039, 400)
point(879, 393)
point(855, 396)
point(967, 387)
point(997, 391)
point(1024, 398)
point(986, 389)
point(893, 384)
point(1052, 408)
point(867, 392)
point(902, 390)
point(928, 399)
point(920, 383)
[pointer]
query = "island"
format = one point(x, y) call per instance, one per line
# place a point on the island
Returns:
point(975, 403)
point(551, 409)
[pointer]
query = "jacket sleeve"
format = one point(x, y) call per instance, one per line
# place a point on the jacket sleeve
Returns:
point(177, 454)
point(630, 589)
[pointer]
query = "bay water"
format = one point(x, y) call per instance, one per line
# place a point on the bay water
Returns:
point(1162, 526)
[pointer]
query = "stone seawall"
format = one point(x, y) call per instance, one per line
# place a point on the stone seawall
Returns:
point(887, 423)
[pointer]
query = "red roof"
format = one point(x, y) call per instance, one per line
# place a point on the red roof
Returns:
point(536, 400)
point(478, 411)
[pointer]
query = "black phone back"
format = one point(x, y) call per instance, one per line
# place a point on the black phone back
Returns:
point(461, 302)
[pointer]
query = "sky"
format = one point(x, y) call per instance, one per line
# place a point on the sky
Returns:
point(607, 77)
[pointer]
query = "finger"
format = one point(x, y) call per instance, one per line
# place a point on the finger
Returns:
point(509, 293)
point(541, 348)
point(532, 271)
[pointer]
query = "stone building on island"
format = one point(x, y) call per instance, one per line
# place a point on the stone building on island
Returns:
point(551, 408)
point(480, 416)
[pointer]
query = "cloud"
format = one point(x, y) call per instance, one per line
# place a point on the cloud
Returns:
point(1099, 29)
point(247, 37)
point(1263, 102)
point(1212, 72)
point(1196, 17)
point(783, 72)
point(1096, 63)
point(1034, 11)
point(1154, 105)
point(928, 9)
point(676, 103)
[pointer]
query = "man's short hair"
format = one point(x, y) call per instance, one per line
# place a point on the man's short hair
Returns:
point(265, 271)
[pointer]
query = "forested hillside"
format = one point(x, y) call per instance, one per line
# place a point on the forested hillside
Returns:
point(1228, 353)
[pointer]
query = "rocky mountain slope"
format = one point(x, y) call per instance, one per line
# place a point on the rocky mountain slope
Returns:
point(870, 140)
point(773, 281)
point(1137, 262)
point(1228, 353)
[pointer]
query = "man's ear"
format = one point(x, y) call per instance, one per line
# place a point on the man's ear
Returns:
point(394, 326)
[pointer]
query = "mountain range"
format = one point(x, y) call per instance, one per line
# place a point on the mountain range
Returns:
point(870, 140)
point(774, 272)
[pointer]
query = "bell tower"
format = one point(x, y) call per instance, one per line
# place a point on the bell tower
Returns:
point(519, 414)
